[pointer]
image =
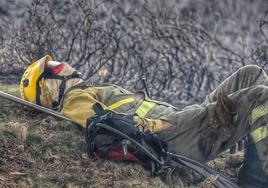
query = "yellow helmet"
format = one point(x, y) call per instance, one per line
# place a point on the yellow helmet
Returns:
point(30, 79)
point(45, 82)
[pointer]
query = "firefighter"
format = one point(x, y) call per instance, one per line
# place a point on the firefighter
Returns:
point(236, 108)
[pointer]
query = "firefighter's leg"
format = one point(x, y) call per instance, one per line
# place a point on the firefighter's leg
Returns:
point(252, 120)
point(254, 170)
point(201, 125)
point(244, 77)
point(255, 166)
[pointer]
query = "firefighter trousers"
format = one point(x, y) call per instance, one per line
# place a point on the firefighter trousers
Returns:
point(247, 88)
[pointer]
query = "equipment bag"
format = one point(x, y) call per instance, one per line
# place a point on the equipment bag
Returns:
point(115, 137)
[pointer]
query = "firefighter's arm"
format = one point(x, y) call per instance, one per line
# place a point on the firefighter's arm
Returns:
point(77, 105)
point(153, 125)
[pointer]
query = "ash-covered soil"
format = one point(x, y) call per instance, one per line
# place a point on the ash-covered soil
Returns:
point(40, 151)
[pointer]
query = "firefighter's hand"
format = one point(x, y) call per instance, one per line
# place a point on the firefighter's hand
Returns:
point(152, 125)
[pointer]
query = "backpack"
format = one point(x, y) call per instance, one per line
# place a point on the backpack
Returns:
point(115, 137)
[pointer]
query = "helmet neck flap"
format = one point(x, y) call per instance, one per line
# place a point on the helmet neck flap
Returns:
point(48, 74)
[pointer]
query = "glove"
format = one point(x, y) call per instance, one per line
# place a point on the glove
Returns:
point(145, 124)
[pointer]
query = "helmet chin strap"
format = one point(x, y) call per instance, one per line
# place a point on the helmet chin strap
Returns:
point(49, 75)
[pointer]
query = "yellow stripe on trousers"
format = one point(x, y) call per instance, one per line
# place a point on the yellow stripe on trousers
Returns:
point(258, 112)
point(259, 133)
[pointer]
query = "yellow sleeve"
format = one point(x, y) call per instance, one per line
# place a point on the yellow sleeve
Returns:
point(77, 106)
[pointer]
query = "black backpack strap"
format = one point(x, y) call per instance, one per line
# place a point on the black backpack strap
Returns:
point(98, 109)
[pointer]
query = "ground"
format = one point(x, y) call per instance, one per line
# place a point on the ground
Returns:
point(40, 151)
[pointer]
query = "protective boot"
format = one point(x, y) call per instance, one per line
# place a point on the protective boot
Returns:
point(251, 174)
